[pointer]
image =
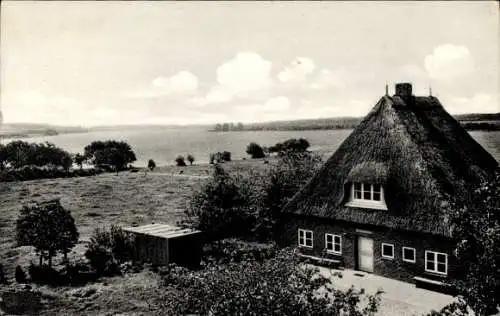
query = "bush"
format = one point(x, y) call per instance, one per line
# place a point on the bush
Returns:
point(45, 275)
point(108, 248)
point(179, 161)
point(277, 286)
point(235, 250)
point(255, 151)
point(20, 275)
point(190, 158)
point(226, 156)
point(151, 164)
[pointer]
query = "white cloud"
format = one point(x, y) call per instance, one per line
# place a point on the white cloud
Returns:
point(449, 62)
point(182, 82)
point(478, 103)
point(297, 70)
point(273, 109)
point(245, 72)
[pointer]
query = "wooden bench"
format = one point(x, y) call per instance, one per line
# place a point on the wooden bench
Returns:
point(321, 261)
point(433, 285)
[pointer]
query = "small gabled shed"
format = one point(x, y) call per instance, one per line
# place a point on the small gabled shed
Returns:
point(162, 244)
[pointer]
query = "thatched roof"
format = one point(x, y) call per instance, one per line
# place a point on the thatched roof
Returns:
point(417, 150)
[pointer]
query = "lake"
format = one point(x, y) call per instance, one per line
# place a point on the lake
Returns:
point(164, 144)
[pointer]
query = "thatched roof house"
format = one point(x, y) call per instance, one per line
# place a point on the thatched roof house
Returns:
point(396, 172)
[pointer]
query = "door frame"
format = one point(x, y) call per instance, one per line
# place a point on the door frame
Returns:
point(357, 256)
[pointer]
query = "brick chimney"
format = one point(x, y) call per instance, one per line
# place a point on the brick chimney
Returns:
point(403, 90)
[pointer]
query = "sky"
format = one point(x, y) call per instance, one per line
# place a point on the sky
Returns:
point(107, 63)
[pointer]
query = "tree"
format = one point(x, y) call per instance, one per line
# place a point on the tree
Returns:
point(254, 150)
point(179, 161)
point(287, 177)
point(219, 207)
point(190, 158)
point(278, 286)
point(4, 157)
point(3, 279)
point(226, 156)
point(79, 159)
point(48, 227)
point(112, 153)
point(476, 227)
point(151, 164)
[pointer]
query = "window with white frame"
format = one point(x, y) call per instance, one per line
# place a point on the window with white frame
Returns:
point(305, 238)
point(387, 251)
point(436, 262)
point(409, 254)
point(333, 243)
point(369, 195)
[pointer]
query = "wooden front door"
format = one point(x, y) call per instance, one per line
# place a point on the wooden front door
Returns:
point(365, 254)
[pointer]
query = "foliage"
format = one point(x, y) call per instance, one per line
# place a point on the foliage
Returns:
point(477, 230)
point(220, 207)
point(290, 145)
point(458, 308)
point(180, 161)
point(236, 250)
point(48, 227)
point(79, 159)
point(114, 153)
point(292, 171)
point(4, 157)
point(20, 275)
point(226, 156)
point(26, 173)
point(278, 286)
point(254, 150)
point(151, 164)
point(190, 158)
point(20, 153)
point(108, 248)
point(212, 158)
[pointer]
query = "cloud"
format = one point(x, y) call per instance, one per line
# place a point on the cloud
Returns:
point(449, 62)
point(245, 72)
point(183, 82)
point(273, 109)
point(297, 70)
point(478, 103)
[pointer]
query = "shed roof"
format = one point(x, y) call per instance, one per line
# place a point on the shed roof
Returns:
point(161, 230)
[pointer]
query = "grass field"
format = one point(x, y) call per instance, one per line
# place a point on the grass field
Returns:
point(123, 199)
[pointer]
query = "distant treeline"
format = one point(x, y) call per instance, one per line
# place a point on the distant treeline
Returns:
point(488, 122)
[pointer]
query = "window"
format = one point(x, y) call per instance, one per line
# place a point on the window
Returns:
point(333, 243)
point(365, 191)
point(367, 195)
point(305, 238)
point(436, 262)
point(387, 251)
point(409, 254)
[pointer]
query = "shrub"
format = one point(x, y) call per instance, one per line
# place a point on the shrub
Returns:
point(179, 161)
point(212, 158)
point(226, 156)
point(236, 250)
point(20, 275)
point(151, 164)
point(45, 275)
point(190, 158)
point(117, 154)
point(277, 286)
point(108, 248)
point(255, 151)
